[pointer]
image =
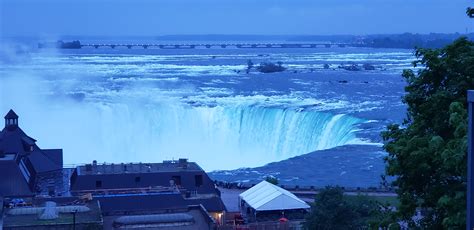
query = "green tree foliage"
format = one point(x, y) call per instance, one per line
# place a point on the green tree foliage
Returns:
point(272, 180)
point(427, 153)
point(333, 210)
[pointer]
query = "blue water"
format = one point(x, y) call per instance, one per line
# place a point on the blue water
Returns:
point(150, 105)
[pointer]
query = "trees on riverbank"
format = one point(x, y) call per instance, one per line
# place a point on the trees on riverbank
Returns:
point(334, 210)
point(427, 152)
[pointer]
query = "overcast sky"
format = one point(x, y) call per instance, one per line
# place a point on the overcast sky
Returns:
point(164, 17)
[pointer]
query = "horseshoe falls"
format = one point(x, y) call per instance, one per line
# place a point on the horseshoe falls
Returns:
point(151, 105)
point(220, 137)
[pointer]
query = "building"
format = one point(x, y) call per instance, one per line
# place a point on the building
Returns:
point(267, 202)
point(148, 187)
point(155, 212)
point(22, 162)
point(34, 184)
point(187, 176)
point(53, 213)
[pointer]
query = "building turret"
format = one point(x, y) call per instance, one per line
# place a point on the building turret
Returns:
point(11, 120)
point(22, 162)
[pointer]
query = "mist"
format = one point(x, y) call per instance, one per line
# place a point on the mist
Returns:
point(68, 108)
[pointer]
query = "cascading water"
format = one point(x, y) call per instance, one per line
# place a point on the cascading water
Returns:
point(136, 105)
point(219, 137)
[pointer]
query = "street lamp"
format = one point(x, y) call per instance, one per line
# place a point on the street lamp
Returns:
point(74, 219)
point(470, 163)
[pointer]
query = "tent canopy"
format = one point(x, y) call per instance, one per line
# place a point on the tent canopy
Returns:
point(268, 197)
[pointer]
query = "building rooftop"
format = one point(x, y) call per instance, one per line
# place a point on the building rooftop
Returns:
point(13, 140)
point(28, 217)
point(8, 157)
point(190, 218)
point(100, 178)
point(22, 161)
point(11, 115)
point(16, 141)
point(142, 203)
point(166, 166)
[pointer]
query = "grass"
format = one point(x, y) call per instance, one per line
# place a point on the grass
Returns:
point(391, 200)
point(92, 216)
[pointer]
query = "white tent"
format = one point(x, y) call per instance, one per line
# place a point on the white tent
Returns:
point(268, 197)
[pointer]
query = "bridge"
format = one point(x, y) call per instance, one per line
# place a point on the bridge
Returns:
point(216, 45)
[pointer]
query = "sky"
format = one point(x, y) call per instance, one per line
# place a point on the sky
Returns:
point(269, 17)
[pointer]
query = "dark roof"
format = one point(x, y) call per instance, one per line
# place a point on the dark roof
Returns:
point(212, 204)
point(13, 181)
point(165, 218)
point(187, 175)
point(15, 141)
point(11, 115)
point(46, 161)
point(196, 218)
point(137, 179)
point(55, 155)
point(22, 161)
point(166, 166)
point(28, 140)
point(142, 203)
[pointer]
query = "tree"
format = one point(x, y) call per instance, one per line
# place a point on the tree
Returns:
point(427, 153)
point(330, 211)
point(333, 210)
point(272, 180)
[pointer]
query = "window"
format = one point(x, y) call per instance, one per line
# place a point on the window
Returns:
point(176, 179)
point(198, 180)
point(51, 190)
point(24, 170)
point(137, 179)
point(98, 184)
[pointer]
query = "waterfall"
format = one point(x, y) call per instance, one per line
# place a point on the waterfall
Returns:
point(220, 137)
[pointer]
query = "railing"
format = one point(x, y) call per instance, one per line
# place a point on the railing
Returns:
point(128, 191)
point(218, 45)
point(306, 188)
point(264, 226)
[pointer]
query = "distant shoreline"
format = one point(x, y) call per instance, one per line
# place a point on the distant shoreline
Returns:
point(403, 41)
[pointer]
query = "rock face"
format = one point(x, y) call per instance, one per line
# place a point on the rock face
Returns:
point(268, 67)
point(356, 67)
point(68, 45)
point(368, 66)
point(351, 67)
